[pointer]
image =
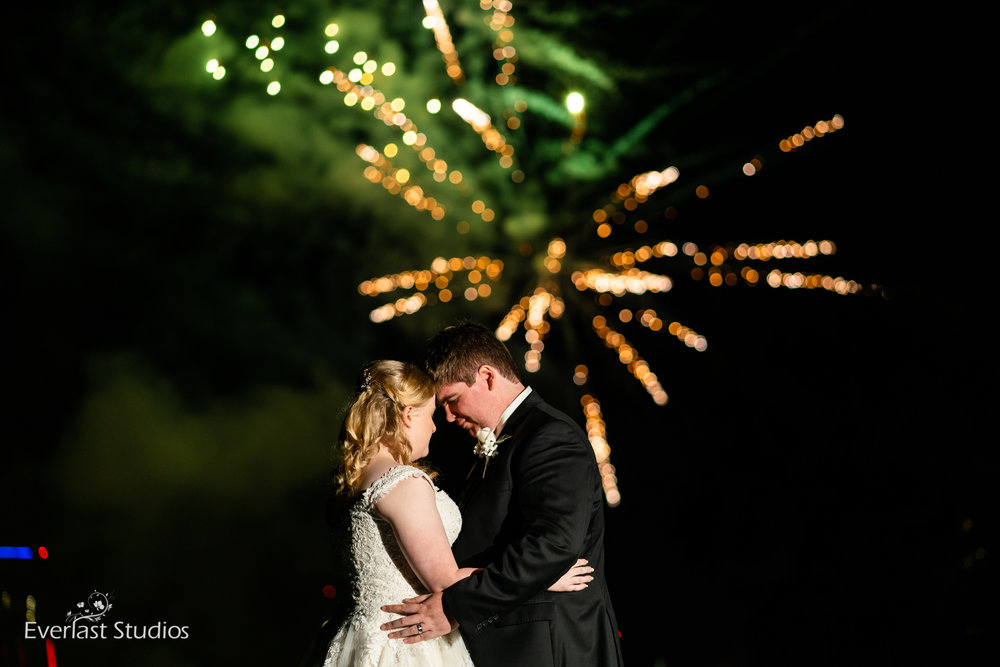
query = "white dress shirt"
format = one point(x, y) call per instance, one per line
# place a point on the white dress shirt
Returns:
point(510, 409)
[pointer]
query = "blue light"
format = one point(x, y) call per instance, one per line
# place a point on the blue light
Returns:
point(21, 553)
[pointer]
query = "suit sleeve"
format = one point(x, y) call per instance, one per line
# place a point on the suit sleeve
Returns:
point(554, 477)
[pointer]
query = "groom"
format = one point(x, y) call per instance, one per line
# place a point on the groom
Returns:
point(532, 508)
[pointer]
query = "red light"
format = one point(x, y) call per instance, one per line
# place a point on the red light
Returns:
point(50, 652)
point(329, 591)
point(43, 553)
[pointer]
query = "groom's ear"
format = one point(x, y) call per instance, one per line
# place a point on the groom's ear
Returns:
point(487, 375)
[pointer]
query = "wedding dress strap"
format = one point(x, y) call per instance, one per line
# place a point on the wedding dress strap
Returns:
point(389, 479)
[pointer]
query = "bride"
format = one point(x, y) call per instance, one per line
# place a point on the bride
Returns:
point(400, 525)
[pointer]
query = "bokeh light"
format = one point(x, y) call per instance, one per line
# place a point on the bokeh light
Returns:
point(574, 102)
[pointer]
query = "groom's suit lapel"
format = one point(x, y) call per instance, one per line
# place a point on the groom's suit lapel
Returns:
point(517, 421)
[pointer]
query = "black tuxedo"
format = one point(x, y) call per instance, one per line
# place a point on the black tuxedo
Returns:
point(539, 507)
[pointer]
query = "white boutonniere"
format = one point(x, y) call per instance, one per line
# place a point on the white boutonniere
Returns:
point(486, 445)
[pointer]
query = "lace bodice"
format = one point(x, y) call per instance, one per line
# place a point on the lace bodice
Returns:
point(383, 575)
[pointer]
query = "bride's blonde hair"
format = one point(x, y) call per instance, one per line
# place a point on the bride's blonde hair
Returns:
point(375, 417)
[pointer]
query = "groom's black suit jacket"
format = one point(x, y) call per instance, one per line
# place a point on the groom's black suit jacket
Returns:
point(538, 508)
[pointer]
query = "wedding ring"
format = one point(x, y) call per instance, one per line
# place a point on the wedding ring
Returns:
point(420, 629)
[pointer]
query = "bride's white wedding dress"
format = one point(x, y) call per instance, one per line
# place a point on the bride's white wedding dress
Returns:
point(384, 577)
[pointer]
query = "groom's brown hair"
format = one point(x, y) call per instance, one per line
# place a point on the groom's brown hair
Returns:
point(457, 352)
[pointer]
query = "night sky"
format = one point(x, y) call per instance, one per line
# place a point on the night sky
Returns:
point(182, 326)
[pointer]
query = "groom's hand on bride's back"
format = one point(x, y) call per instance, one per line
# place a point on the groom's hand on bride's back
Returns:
point(423, 618)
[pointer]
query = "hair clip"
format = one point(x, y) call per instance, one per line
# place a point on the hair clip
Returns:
point(366, 380)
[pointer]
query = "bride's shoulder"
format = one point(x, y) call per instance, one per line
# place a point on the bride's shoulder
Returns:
point(390, 478)
point(374, 472)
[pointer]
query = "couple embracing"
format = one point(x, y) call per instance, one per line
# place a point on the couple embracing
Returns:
point(516, 577)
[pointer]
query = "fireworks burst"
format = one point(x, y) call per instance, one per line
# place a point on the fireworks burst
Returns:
point(478, 139)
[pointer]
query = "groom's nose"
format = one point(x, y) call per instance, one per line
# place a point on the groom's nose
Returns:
point(448, 414)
